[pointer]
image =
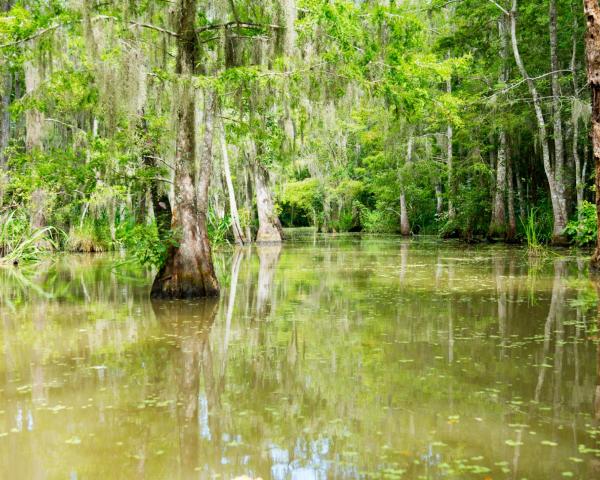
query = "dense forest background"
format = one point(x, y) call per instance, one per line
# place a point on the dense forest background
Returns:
point(460, 118)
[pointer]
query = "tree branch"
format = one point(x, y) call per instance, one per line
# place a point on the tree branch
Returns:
point(238, 25)
point(504, 11)
point(153, 27)
point(43, 31)
point(515, 85)
point(37, 34)
point(133, 23)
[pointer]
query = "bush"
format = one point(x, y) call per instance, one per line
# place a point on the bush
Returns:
point(19, 243)
point(378, 221)
point(145, 243)
point(219, 229)
point(87, 238)
point(583, 230)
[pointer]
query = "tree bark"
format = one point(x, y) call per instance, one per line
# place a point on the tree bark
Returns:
point(559, 153)
point(269, 226)
point(511, 231)
point(248, 202)
point(34, 119)
point(592, 49)
point(579, 173)
point(498, 223)
point(558, 203)
point(404, 221)
point(439, 199)
point(290, 14)
point(449, 159)
point(188, 271)
point(236, 226)
point(5, 117)
point(34, 132)
point(520, 196)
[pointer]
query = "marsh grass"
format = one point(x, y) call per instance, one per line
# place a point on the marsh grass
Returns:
point(20, 244)
point(534, 234)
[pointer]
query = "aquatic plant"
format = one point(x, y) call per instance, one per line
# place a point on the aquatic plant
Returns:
point(21, 244)
point(533, 231)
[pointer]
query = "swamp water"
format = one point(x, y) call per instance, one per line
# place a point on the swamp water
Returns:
point(347, 357)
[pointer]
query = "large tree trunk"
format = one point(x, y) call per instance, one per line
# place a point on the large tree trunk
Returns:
point(404, 222)
point(188, 271)
point(5, 117)
point(558, 203)
point(520, 195)
point(511, 231)
point(290, 15)
point(34, 119)
point(592, 48)
point(248, 201)
point(579, 173)
point(449, 159)
point(6, 92)
point(559, 153)
point(236, 226)
point(34, 126)
point(498, 223)
point(269, 226)
point(439, 199)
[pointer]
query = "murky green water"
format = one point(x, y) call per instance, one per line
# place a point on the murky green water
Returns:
point(332, 358)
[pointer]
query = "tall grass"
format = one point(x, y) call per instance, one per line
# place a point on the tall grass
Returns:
point(533, 232)
point(20, 244)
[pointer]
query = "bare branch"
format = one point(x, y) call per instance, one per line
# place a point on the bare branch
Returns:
point(504, 11)
point(520, 82)
point(68, 125)
point(238, 25)
point(152, 27)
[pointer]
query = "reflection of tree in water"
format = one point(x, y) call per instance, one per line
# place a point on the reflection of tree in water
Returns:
point(555, 317)
point(356, 353)
point(268, 256)
point(189, 324)
point(595, 462)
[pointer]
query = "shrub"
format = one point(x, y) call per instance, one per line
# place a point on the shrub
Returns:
point(86, 239)
point(583, 230)
point(145, 244)
point(19, 243)
point(378, 220)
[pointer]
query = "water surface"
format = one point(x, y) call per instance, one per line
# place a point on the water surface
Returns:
point(332, 357)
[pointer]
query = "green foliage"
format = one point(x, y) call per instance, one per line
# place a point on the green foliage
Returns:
point(531, 229)
point(88, 238)
point(19, 243)
point(537, 228)
point(303, 198)
point(331, 120)
point(145, 244)
point(583, 230)
point(379, 220)
point(219, 229)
